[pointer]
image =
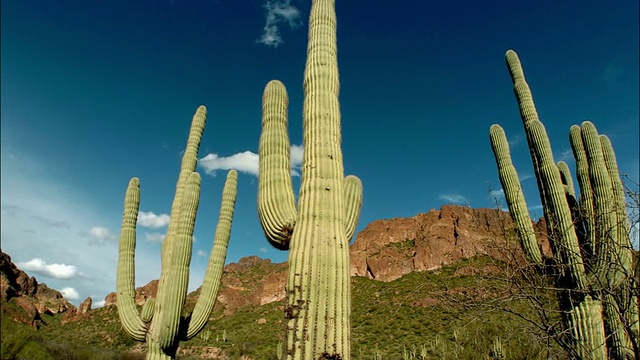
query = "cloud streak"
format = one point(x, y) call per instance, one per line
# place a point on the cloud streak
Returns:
point(278, 12)
point(454, 198)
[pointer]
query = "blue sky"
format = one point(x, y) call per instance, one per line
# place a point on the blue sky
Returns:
point(96, 92)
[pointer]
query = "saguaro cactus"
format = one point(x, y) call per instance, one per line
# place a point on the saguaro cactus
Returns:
point(161, 322)
point(318, 231)
point(589, 235)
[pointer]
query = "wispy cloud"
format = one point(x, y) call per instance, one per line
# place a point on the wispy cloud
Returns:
point(263, 250)
point(514, 140)
point(12, 210)
point(454, 198)
point(524, 177)
point(154, 237)
point(612, 73)
point(247, 162)
point(277, 12)
point(497, 194)
point(55, 271)
point(152, 220)
point(97, 304)
point(565, 155)
point(201, 253)
point(98, 235)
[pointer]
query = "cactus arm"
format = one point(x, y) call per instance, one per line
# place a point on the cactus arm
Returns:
point(513, 194)
point(528, 112)
point(276, 203)
point(146, 314)
point(586, 324)
point(352, 203)
point(172, 290)
point(559, 221)
point(213, 275)
point(586, 193)
point(188, 166)
point(609, 265)
point(567, 179)
point(125, 283)
point(619, 205)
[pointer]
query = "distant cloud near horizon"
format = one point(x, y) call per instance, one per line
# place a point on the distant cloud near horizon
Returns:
point(246, 162)
point(454, 198)
point(56, 271)
point(278, 11)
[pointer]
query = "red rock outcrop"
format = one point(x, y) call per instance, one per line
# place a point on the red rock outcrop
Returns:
point(251, 281)
point(142, 294)
point(33, 298)
point(388, 249)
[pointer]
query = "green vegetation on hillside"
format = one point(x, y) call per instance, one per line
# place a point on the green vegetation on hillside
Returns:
point(462, 311)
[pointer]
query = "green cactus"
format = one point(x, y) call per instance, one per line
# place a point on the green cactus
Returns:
point(161, 322)
point(589, 235)
point(318, 230)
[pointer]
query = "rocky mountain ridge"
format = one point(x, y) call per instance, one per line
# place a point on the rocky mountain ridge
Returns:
point(35, 299)
point(385, 250)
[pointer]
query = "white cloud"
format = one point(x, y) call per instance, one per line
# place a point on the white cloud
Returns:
point(247, 162)
point(154, 237)
point(454, 198)
point(297, 151)
point(99, 235)
point(152, 220)
point(97, 304)
point(56, 271)
point(201, 253)
point(263, 250)
point(496, 194)
point(278, 11)
point(70, 293)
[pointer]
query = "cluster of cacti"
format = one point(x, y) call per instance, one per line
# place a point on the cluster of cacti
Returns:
point(161, 322)
point(589, 234)
point(318, 230)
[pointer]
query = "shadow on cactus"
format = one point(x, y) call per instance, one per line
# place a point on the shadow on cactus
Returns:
point(316, 231)
point(592, 265)
point(161, 322)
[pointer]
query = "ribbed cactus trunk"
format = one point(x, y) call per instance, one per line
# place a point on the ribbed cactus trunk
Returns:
point(589, 236)
point(319, 280)
point(318, 231)
point(161, 323)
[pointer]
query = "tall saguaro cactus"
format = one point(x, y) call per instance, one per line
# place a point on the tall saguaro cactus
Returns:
point(318, 230)
point(161, 322)
point(589, 234)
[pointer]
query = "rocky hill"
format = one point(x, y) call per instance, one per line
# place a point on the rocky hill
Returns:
point(385, 250)
point(35, 299)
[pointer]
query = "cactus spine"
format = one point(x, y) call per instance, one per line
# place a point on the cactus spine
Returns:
point(160, 322)
point(589, 236)
point(318, 230)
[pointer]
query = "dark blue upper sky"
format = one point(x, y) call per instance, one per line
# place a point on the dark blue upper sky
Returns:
point(96, 92)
